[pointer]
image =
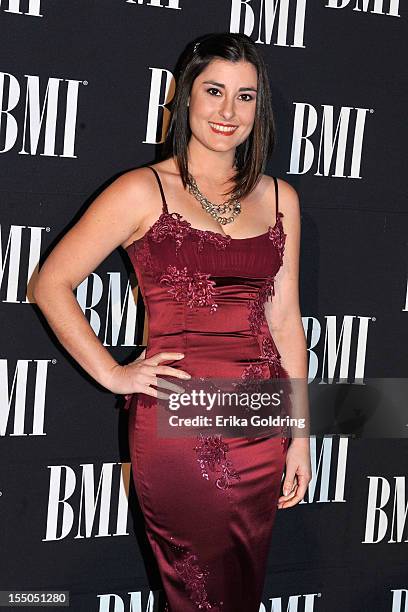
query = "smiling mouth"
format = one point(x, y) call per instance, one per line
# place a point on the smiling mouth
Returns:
point(226, 130)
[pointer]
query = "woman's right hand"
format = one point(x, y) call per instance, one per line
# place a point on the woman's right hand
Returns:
point(137, 376)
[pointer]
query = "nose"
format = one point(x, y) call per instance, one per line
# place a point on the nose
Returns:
point(227, 110)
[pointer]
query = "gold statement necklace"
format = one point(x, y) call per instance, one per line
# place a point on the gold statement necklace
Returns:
point(232, 205)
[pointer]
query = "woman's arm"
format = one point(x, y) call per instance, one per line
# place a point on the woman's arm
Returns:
point(283, 311)
point(108, 222)
point(285, 322)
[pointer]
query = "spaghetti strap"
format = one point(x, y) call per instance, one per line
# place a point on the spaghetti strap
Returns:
point(165, 209)
point(276, 197)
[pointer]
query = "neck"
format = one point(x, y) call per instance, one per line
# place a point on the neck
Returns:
point(204, 163)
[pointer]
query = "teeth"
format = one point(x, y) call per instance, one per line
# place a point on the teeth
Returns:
point(222, 128)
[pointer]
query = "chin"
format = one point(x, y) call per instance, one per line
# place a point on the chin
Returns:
point(221, 148)
point(216, 145)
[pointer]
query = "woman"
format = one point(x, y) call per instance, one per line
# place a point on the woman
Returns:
point(217, 302)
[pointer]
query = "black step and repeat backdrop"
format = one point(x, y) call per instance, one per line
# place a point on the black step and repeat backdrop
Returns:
point(83, 91)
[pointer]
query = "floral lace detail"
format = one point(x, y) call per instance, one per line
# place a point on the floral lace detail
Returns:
point(256, 315)
point(195, 289)
point(278, 236)
point(194, 578)
point(212, 454)
point(143, 256)
point(256, 307)
point(272, 355)
point(218, 240)
point(172, 224)
point(145, 261)
point(252, 374)
point(251, 377)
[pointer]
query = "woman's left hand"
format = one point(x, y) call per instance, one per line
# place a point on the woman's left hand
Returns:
point(298, 473)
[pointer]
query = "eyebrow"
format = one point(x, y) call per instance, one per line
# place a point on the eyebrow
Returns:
point(223, 86)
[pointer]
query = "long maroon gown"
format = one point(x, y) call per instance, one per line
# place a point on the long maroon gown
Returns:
point(209, 503)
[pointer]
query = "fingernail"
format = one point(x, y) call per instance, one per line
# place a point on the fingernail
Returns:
point(186, 375)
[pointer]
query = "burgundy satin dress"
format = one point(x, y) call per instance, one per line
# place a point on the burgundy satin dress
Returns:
point(209, 503)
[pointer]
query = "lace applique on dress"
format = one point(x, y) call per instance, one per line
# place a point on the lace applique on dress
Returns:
point(256, 319)
point(252, 374)
point(278, 236)
point(143, 257)
point(218, 240)
point(196, 290)
point(251, 377)
point(194, 578)
point(212, 455)
point(256, 315)
point(172, 224)
point(272, 355)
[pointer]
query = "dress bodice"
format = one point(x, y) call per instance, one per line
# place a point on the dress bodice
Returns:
point(204, 292)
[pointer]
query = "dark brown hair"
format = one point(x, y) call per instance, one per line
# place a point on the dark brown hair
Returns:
point(251, 155)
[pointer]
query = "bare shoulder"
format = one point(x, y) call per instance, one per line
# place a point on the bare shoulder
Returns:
point(109, 221)
point(137, 183)
point(287, 193)
point(288, 197)
point(127, 194)
point(130, 200)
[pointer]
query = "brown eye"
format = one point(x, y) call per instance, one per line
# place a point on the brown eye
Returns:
point(212, 89)
point(249, 97)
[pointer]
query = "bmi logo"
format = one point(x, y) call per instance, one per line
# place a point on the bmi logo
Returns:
point(27, 112)
point(386, 517)
point(327, 140)
point(270, 21)
point(79, 507)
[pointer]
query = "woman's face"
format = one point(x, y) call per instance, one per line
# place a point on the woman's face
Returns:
point(222, 104)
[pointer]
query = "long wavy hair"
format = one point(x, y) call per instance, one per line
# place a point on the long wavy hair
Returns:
point(251, 155)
